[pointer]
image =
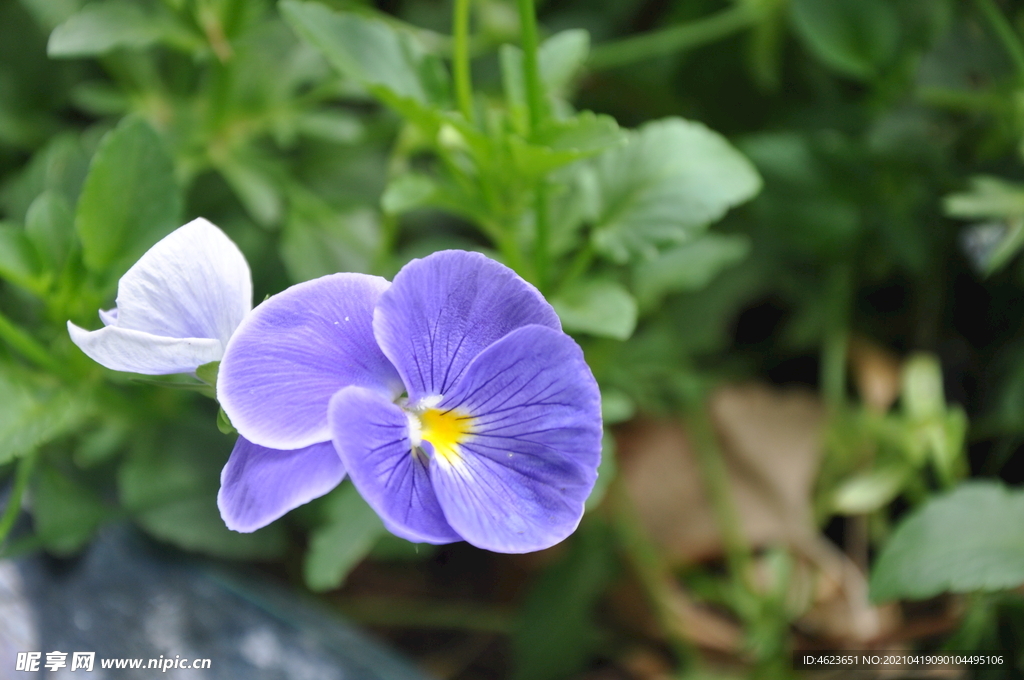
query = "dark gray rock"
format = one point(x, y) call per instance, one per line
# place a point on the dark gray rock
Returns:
point(126, 598)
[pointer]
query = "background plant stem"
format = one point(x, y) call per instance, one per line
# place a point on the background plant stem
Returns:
point(537, 105)
point(1004, 31)
point(651, 571)
point(716, 484)
point(460, 59)
point(531, 71)
point(673, 39)
point(543, 236)
point(836, 338)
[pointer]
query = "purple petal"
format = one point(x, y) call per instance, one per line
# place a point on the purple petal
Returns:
point(194, 283)
point(176, 307)
point(124, 349)
point(445, 309)
point(109, 316)
point(294, 351)
point(259, 485)
point(521, 478)
point(372, 436)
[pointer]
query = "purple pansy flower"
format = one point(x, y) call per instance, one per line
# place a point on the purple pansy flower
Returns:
point(459, 408)
point(176, 309)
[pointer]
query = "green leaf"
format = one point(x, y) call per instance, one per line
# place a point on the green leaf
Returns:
point(29, 86)
point(60, 166)
point(855, 37)
point(815, 223)
point(36, 411)
point(704, 321)
point(65, 514)
point(100, 98)
point(256, 190)
point(946, 445)
point(413, 191)
point(101, 444)
point(50, 226)
point(340, 127)
point(19, 262)
point(390, 63)
point(335, 548)
point(559, 60)
point(102, 27)
point(408, 192)
point(616, 406)
point(922, 394)
point(971, 539)
point(602, 308)
point(990, 245)
point(666, 184)
point(556, 635)
point(320, 240)
point(130, 199)
point(565, 141)
point(688, 267)
point(208, 373)
point(869, 491)
point(170, 487)
point(51, 13)
point(224, 423)
point(584, 134)
point(20, 408)
point(988, 198)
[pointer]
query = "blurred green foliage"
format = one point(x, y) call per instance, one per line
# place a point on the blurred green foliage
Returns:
point(860, 161)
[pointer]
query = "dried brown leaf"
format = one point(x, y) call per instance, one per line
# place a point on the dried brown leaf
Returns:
point(770, 440)
point(876, 373)
point(841, 612)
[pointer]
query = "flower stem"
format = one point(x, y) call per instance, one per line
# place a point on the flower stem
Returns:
point(460, 59)
point(536, 105)
point(28, 347)
point(531, 71)
point(675, 38)
point(21, 478)
point(578, 266)
point(834, 344)
point(215, 35)
point(1004, 31)
point(754, 608)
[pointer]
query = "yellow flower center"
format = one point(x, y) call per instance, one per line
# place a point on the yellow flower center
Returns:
point(446, 430)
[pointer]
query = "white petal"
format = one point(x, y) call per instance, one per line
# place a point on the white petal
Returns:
point(109, 316)
point(195, 283)
point(124, 349)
